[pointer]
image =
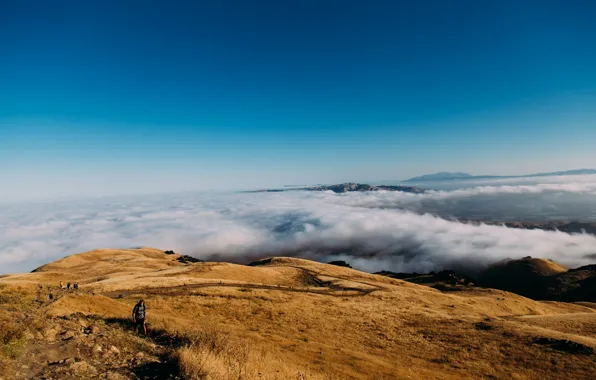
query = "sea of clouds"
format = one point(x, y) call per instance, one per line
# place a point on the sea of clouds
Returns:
point(372, 230)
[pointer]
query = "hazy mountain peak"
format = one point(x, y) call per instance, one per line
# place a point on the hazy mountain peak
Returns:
point(446, 176)
point(441, 176)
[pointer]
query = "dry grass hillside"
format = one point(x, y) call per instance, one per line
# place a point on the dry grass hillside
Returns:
point(542, 279)
point(527, 266)
point(285, 318)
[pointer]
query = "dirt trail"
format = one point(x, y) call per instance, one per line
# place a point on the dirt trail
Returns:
point(183, 289)
point(317, 287)
point(314, 274)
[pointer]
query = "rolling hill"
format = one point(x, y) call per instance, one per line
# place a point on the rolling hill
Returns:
point(542, 279)
point(281, 318)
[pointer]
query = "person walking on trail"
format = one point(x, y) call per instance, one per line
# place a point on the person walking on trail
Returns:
point(139, 316)
point(68, 286)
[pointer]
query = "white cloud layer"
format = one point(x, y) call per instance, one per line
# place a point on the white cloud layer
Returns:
point(374, 231)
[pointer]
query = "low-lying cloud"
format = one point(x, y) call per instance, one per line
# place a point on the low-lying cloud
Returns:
point(374, 231)
point(573, 200)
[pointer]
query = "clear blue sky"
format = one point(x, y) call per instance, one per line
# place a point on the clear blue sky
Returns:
point(102, 97)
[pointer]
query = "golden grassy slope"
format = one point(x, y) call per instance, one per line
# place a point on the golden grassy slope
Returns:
point(294, 317)
point(528, 266)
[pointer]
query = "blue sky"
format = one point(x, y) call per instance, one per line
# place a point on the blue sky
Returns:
point(109, 97)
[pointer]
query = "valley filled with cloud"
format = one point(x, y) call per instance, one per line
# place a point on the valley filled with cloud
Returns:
point(372, 230)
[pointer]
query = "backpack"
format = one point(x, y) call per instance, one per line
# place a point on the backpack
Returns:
point(139, 311)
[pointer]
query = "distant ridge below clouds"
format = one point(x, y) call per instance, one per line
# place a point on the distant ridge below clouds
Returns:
point(448, 176)
point(348, 187)
point(573, 227)
point(441, 176)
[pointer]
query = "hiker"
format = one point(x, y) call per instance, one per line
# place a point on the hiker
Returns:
point(68, 286)
point(138, 316)
point(61, 285)
point(76, 286)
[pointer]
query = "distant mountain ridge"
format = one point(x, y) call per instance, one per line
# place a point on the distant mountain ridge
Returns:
point(348, 187)
point(441, 176)
point(448, 176)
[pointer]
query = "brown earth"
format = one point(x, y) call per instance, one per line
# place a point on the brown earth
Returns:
point(286, 319)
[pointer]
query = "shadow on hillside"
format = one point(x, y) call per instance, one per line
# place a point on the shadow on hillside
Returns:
point(164, 369)
point(167, 366)
point(160, 337)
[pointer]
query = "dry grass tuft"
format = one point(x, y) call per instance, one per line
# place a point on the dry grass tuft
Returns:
point(213, 354)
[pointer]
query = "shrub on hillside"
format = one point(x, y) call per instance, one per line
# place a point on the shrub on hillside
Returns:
point(12, 339)
point(189, 259)
point(340, 263)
